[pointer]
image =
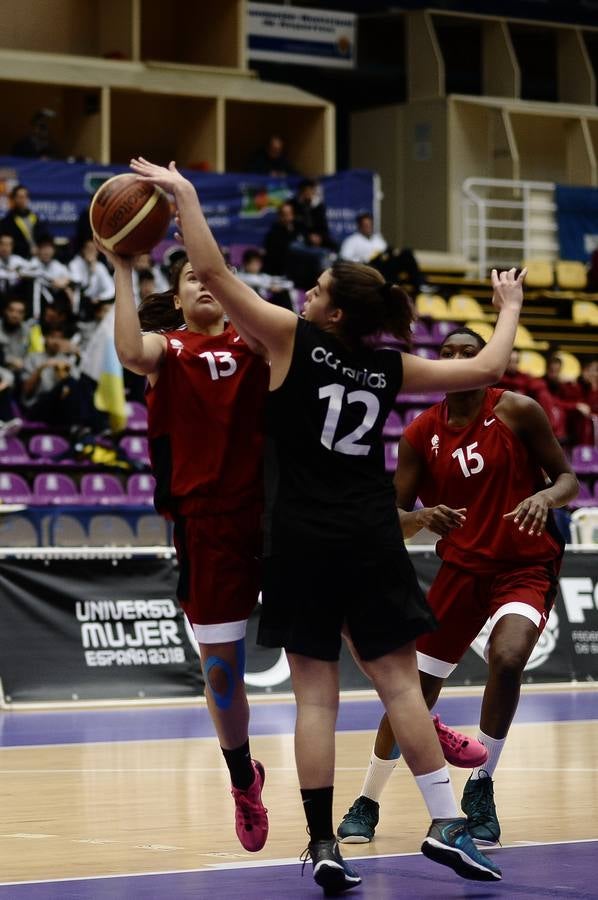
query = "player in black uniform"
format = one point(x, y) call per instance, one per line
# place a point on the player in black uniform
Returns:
point(336, 557)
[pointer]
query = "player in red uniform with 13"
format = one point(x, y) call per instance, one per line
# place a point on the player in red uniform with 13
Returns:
point(477, 461)
point(206, 397)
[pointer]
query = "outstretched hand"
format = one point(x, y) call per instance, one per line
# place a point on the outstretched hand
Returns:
point(508, 289)
point(530, 514)
point(166, 177)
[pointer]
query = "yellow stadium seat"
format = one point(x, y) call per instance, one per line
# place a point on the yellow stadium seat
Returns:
point(461, 308)
point(484, 329)
point(571, 366)
point(524, 340)
point(584, 312)
point(532, 363)
point(571, 275)
point(540, 273)
point(431, 305)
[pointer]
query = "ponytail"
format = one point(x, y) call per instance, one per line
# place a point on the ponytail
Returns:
point(371, 305)
point(157, 311)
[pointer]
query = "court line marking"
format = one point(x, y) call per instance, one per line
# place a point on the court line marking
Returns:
point(221, 769)
point(269, 863)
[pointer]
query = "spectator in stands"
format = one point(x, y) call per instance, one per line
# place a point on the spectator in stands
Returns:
point(513, 379)
point(274, 288)
point(37, 144)
point(50, 277)
point(50, 391)
point(15, 334)
point(143, 262)
point(584, 394)
point(279, 238)
point(310, 215)
point(146, 284)
point(22, 224)
point(91, 280)
point(83, 230)
point(364, 244)
point(551, 394)
point(271, 159)
point(592, 284)
point(12, 267)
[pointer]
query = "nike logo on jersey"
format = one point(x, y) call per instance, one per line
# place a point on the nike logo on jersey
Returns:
point(489, 422)
point(237, 338)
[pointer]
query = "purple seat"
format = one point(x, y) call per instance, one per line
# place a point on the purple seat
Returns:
point(136, 416)
point(412, 414)
point(52, 488)
point(439, 331)
point(426, 352)
point(140, 488)
point(47, 446)
point(236, 251)
point(394, 425)
point(99, 488)
point(14, 488)
point(584, 460)
point(419, 399)
point(584, 498)
point(136, 448)
point(13, 452)
point(391, 454)
point(419, 332)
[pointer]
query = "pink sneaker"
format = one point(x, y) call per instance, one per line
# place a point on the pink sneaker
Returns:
point(458, 749)
point(251, 816)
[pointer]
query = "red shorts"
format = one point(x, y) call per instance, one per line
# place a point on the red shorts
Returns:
point(463, 601)
point(219, 571)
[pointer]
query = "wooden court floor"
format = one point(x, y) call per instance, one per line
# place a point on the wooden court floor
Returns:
point(111, 792)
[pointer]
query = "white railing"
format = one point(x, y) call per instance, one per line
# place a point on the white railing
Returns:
point(505, 222)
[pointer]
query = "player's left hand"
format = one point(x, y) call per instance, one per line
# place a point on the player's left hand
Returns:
point(168, 178)
point(530, 515)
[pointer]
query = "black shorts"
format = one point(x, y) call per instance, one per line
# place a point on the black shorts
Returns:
point(307, 597)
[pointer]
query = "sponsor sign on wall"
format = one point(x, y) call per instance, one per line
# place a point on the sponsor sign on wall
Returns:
point(301, 35)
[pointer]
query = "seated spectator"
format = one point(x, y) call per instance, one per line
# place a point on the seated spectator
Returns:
point(146, 284)
point(22, 224)
point(550, 392)
point(143, 263)
point(11, 269)
point(364, 244)
point(86, 330)
point(310, 215)
point(50, 390)
point(513, 379)
point(274, 288)
point(37, 144)
point(271, 159)
point(279, 238)
point(91, 280)
point(50, 277)
point(584, 394)
point(15, 334)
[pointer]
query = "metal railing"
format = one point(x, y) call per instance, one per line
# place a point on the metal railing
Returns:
point(505, 222)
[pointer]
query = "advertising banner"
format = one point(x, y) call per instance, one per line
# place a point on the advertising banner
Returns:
point(240, 208)
point(299, 35)
point(90, 629)
point(577, 220)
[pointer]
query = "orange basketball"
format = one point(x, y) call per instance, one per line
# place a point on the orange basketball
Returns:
point(129, 216)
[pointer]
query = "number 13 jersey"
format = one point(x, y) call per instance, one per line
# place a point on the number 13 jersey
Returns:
point(326, 477)
point(486, 468)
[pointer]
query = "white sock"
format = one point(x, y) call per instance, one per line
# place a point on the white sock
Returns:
point(376, 777)
point(438, 794)
point(494, 747)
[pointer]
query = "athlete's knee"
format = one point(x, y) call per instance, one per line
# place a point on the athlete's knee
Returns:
point(223, 676)
point(508, 663)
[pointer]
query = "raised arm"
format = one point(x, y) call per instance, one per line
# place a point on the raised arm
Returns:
point(270, 325)
point(139, 353)
point(490, 363)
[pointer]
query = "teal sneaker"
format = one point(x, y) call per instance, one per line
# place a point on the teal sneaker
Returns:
point(478, 806)
point(448, 843)
point(359, 824)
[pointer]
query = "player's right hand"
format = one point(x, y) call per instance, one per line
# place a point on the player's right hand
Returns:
point(441, 519)
point(508, 289)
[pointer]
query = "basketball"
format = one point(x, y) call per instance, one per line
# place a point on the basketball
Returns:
point(129, 216)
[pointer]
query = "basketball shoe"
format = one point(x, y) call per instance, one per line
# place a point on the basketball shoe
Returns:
point(359, 824)
point(448, 842)
point(459, 749)
point(331, 871)
point(478, 805)
point(251, 816)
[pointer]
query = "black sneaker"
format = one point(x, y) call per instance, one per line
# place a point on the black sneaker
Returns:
point(448, 843)
point(331, 871)
point(359, 824)
point(478, 806)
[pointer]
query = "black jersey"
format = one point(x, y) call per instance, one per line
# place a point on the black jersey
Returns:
point(329, 483)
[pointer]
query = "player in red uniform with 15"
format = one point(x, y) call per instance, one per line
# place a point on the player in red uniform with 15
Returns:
point(206, 397)
point(477, 461)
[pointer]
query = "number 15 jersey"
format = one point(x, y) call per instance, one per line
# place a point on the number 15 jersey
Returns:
point(486, 468)
point(326, 479)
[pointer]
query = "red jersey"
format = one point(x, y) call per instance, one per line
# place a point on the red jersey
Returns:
point(486, 468)
point(206, 423)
